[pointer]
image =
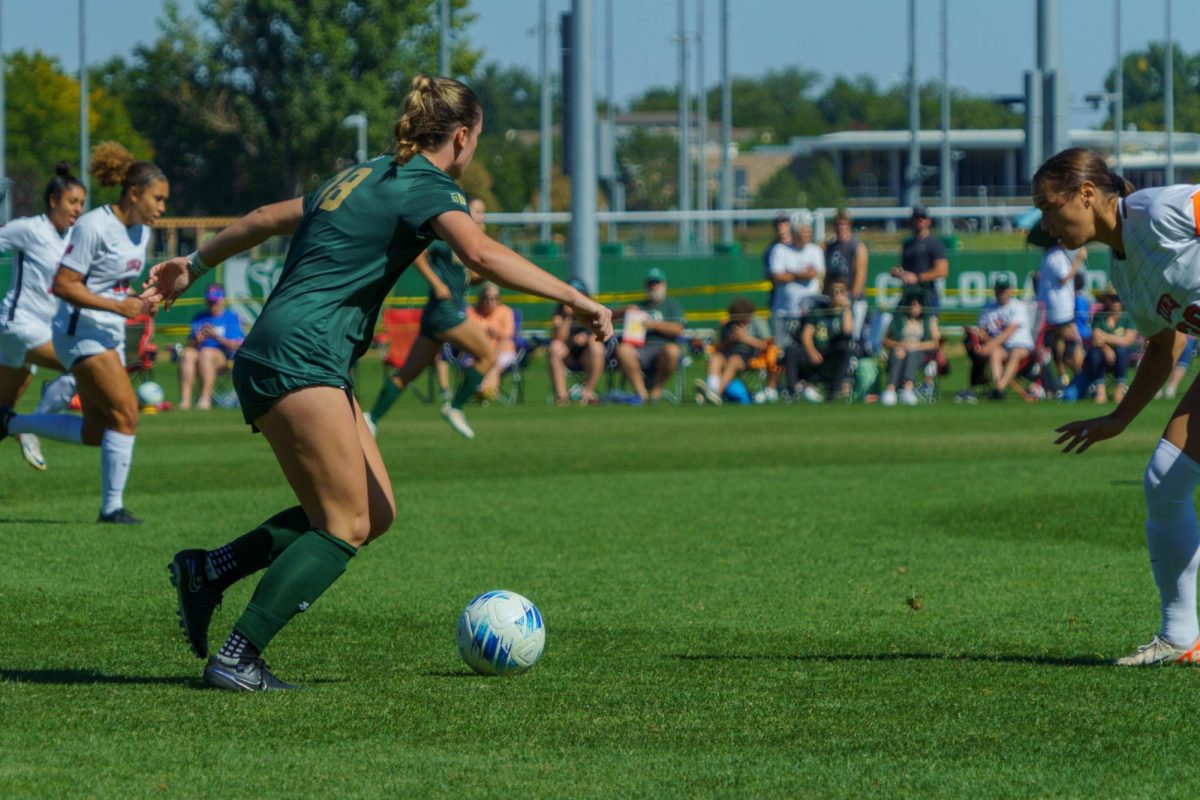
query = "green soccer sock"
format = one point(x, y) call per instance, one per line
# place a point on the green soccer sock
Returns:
point(388, 396)
point(472, 378)
point(292, 583)
point(255, 550)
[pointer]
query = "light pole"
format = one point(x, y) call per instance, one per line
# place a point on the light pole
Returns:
point(444, 38)
point(912, 194)
point(1119, 86)
point(685, 127)
point(947, 174)
point(726, 127)
point(585, 246)
point(84, 132)
point(358, 121)
point(6, 206)
point(1169, 91)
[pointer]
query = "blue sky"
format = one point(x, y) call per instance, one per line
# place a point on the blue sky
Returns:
point(991, 42)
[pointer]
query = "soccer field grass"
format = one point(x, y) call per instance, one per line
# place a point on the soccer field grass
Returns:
point(740, 602)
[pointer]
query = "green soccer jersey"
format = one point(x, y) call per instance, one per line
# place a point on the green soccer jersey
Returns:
point(449, 271)
point(669, 310)
point(358, 234)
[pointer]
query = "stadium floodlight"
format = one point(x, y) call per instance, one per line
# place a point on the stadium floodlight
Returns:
point(358, 121)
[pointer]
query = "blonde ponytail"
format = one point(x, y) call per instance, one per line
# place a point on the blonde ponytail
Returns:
point(433, 110)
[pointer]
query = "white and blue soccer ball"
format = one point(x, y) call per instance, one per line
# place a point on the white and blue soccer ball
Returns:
point(500, 633)
point(150, 394)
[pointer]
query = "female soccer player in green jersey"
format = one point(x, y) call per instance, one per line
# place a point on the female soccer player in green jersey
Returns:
point(444, 319)
point(351, 239)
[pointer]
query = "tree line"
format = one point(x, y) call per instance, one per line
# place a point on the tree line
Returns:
point(243, 104)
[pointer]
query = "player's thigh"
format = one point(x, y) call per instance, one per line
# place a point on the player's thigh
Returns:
point(106, 393)
point(314, 434)
point(472, 338)
point(44, 356)
point(381, 501)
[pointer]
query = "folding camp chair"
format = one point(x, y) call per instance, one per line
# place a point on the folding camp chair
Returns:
point(401, 327)
point(140, 350)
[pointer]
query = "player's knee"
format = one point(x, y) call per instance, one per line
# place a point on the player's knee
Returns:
point(557, 350)
point(1169, 482)
point(123, 417)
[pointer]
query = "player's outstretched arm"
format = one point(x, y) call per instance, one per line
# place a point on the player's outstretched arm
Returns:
point(1162, 351)
point(498, 263)
point(171, 278)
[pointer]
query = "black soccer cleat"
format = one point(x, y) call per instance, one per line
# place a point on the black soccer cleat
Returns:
point(248, 675)
point(119, 517)
point(6, 415)
point(197, 599)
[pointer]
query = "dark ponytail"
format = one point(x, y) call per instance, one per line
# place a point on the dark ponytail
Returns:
point(61, 182)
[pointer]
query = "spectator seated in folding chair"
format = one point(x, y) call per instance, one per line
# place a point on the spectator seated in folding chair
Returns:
point(216, 334)
point(649, 354)
point(1113, 341)
point(574, 352)
point(910, 343)
point(819, 354)
point(743, 338)
point(1000, 345)
point(501, 324)
point(141, 352)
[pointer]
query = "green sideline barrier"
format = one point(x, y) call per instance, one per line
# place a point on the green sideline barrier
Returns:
point(705, 285)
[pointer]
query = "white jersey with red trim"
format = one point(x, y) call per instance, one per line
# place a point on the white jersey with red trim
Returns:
point(37, 247)
point(110, 256)
point(1158, 281)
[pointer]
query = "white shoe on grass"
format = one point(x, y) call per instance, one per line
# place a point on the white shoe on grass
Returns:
point(31, 449)
point(888, 398)
point(457, 420)
point(811, 394)
point(370, 424)
point(908, 397)
point(1160, 652)
point(707, 391)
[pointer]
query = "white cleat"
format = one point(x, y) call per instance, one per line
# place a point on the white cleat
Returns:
point(811, 395)
point(908, 397)
point(31, 449)
point(457, 420)
point(888, 398)
point(707, 391)
point(370, 424)
point(1160, 652)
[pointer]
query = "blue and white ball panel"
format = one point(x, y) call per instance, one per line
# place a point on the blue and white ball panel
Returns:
point(500, 633)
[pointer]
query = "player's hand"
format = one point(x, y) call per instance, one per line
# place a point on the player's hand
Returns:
point(131, 307)
point(442, 292)
point(168, 279)
point(1084, 433)
point(816, 358)
point(597, 317)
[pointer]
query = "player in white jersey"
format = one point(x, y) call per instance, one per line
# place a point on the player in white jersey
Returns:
point(1155, 239)
point(37, 244)
point(106, 252)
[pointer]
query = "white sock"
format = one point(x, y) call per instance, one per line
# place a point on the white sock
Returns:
point(714, 382)
point(116, 455)
point(57, 394)
point(1173, 538)
point(59, 427)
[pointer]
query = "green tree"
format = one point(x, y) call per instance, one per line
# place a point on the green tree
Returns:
point(648, 164)
point(818, 187)
point(42, 109)
point(1145, 89)
point(262, 97)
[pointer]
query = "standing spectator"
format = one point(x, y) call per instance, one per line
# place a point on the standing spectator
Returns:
point(215, 336)
point(922, 263)
point(573, 347)
point(1001, 341)
point(846, 261)
point(778, 253)
point(1056, 293)
point(910, 341)
point(649, 347)
point(500, 324)
point(821, 351)
point(1113, 337)
point(742, 338)
point(796, 278)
